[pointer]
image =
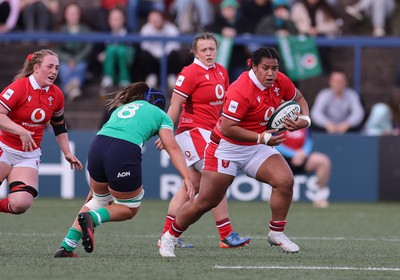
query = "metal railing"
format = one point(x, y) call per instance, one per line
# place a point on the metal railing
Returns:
point(355, 42)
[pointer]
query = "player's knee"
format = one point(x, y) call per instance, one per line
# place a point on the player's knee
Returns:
point(22, 197)
point(98, 201)
point(132, 203)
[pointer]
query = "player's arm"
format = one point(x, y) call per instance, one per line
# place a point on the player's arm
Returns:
point(175, 107)
point(60, 131)
point(231, 129)
point(177, 158)
point(6, 124)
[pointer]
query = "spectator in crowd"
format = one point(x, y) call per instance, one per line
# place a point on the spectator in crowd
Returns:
point(229, 23)
point(297, 150)
point(278, 23)
point(98, 15)
point(39, 15)
point(139, 9)
point(384, 118)
point(117, 57)
point(317, 18)
point(255, 10)
point(9, 13)
point(337, 109)
point(73, 55)
point(192, 15)
point(152, 51)
point(378, 11)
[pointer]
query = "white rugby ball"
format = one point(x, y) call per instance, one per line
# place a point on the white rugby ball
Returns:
point(285, 110)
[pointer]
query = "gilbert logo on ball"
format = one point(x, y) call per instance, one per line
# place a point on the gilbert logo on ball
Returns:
point(287, 110)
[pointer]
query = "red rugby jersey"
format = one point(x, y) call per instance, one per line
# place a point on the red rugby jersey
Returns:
point(204, 90)
point(248, 102)
point(31, 107)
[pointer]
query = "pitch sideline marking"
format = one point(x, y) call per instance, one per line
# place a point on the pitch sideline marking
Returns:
point(310, 268)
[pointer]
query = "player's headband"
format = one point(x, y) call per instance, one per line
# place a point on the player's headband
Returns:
point(155, 97)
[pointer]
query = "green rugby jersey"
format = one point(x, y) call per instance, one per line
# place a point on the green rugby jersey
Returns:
point(136, 122)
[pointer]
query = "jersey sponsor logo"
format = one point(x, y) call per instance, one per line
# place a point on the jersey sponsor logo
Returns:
point(180, 80)
point(219, 91)
point(207, 76)
point(38, 115)
point(233, 105)
point(29, 98)
point(8, 93)
point(258, 99)
point(267, 115)
point(123, 174)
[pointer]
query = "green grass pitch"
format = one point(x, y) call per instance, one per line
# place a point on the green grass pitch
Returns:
point(344, 241)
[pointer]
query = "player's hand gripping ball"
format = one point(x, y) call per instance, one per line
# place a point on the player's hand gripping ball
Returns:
point(286, 110)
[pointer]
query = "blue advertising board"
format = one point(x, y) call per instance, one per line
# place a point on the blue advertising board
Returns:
point(354, 171)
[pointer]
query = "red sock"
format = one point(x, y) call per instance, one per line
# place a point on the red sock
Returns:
point(176, 230)
point(224, 228)
point(168, 222)
point(278, 226)
point(4, 206)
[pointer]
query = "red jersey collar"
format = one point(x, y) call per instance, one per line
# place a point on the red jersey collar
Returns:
point(35, 85)
point(198, 62)
point(253, 77)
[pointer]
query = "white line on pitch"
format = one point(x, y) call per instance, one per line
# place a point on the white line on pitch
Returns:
point(309, 268)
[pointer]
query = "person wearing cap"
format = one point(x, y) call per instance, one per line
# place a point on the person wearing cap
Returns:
point(229, 23)
point(278, 23)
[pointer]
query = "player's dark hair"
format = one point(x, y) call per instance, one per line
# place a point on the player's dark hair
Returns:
point(136, 91)
point(203, 35)
point(264, 52)
point(31, 60)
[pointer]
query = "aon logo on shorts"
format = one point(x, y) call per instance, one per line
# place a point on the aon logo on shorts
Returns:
point(123, 174)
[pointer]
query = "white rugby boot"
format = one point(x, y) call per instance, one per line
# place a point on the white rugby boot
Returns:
point(281, 240)
point(167, 245)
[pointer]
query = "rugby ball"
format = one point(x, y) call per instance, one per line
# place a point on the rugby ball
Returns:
point(285, 110)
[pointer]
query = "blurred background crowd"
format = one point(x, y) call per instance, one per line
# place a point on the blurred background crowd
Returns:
point(101, 67)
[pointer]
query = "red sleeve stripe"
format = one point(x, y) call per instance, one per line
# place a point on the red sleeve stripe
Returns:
point(5, 105)
point(231, 118)
point(181, 93)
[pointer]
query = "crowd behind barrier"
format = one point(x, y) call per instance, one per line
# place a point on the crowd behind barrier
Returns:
point(357, 43)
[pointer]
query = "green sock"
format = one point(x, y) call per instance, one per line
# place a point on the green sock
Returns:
point(71, 239)
point(100, 216)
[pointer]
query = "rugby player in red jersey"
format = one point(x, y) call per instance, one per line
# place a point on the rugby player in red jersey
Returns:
point(197, 102)
point(26, 106)
point(241, 141)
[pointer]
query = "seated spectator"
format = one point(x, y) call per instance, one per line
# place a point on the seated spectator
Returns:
point(152, 51)
point(192, 15)
point(9, 13)
point(229, 23)
point(298, 152)
point(39, 15)
point(73, 56)
point(378, 11)
point(337, 109)
point(255, 10)
point(384, 118)
point(278, 23)
point(117, 57)
point(140, 9)
point(98, 15)
point(317, 18)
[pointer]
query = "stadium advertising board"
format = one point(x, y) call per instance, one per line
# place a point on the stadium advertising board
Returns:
point(354, 171)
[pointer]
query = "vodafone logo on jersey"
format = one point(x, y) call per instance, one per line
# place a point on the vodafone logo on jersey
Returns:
point(38, 115)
